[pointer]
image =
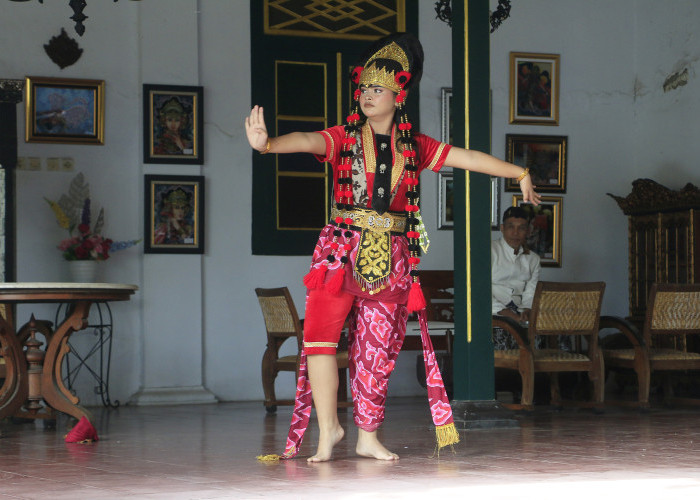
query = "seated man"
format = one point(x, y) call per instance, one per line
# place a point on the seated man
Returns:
point(514, 273)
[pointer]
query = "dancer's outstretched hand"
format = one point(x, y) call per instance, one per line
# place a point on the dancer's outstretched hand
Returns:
point(255, 129)
point(529, 193)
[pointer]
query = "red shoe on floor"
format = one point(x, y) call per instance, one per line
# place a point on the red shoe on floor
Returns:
point(83, 432)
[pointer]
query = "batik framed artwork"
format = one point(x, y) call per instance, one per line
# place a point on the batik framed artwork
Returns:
point(544, 155)
point(545, 228)
point(174, 214)
point(534, 88)
point(173, 121)
point(65, 111)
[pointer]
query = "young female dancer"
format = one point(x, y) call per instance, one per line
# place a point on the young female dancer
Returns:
point(365, 263)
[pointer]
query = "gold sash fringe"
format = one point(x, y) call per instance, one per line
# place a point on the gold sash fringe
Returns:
point(447, 435)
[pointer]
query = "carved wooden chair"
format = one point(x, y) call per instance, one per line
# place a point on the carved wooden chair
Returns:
point(438, 289)
point(282, 322)
point(669, 342)
point(571, 309)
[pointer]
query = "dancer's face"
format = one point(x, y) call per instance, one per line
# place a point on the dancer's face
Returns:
point(376, 101)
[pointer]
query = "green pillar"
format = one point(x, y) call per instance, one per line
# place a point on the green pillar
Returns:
point(474, 404)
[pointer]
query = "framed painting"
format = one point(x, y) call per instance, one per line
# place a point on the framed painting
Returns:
point(63, 110)
point(495, 204)
point(446, 116)
point(544, 155)
point(534, 88)
point(174, 214)
point(445, 200)
point(173, 122)
point(544, 236)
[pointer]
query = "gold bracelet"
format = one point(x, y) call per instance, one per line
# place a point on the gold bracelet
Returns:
point(267, 147)
point(520, 178)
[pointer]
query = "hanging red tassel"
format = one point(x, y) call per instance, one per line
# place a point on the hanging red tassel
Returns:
point(336, 282)
point(316, 277)
point(416, 300)
point(83, 432)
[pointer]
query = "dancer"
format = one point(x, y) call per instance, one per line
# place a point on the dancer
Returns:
point(365, 262)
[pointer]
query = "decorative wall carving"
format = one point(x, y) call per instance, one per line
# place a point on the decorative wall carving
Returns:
point(63, 50)
point(649, 196)
point(11, 90)
point(364, 20)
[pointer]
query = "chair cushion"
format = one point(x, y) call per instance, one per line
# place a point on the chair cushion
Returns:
point(506, 353)
point(543, 355)
point(655, 354)
point(670, 354)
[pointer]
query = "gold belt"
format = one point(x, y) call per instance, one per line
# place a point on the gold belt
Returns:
point(372, 267)
point(365, 218)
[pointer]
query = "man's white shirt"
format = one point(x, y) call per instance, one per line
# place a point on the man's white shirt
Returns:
point(513, 277)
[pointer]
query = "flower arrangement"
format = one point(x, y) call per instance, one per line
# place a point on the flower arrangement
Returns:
point(73, 213)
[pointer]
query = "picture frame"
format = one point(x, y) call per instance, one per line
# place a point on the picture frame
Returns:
point(495, 204)
point(445, 200)
point(544, 235)
point(173, 123)
point(544, 155)
point(446, 116)
point(534, 88)
point(65, 110)
point(174, 214)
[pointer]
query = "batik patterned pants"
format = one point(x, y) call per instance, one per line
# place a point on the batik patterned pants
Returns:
point(377, 332)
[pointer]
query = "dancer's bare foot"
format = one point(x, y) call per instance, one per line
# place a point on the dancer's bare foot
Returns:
point(326, 442)
point(369, 446)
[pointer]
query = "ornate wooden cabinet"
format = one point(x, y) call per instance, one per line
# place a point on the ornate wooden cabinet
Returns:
point(664, 239)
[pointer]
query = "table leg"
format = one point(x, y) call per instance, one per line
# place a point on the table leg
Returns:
point(53, 390)
point(15, 388)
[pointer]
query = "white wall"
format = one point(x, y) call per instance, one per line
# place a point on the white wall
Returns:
point(196, 319)
point(110, 53)
point(620, 124)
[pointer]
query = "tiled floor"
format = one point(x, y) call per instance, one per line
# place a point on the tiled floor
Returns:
point(192, 452)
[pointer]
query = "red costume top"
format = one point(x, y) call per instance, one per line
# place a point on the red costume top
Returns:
point(431, 155)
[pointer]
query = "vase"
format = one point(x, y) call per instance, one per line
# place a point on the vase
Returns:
point(83, 271)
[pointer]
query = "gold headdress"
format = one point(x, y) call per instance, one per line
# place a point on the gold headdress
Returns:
point(372, 74)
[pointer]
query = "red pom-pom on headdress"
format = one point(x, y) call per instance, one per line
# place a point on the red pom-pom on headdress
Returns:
point(402, 78)
point(355, 75)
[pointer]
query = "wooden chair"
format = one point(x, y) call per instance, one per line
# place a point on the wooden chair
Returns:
point(438, 289)
point(282, 322)
point(669, 341)
point(571, 309)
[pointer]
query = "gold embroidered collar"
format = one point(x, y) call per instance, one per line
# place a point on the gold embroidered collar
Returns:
point(369, 150)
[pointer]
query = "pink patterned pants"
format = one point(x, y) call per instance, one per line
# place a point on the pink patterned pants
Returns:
point(377, 331)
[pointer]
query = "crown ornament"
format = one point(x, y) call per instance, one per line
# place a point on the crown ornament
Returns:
point(374, 75)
